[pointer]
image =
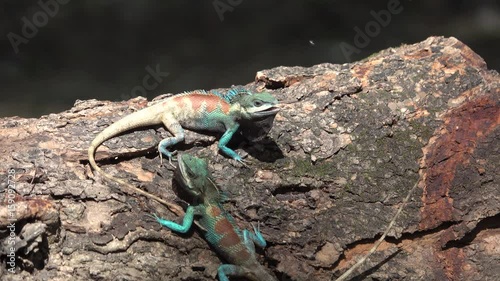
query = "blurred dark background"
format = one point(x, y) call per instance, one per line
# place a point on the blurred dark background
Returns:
point(54, 52)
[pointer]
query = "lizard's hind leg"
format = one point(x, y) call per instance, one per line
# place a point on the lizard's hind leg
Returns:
point(175, 128)
point(231, 270)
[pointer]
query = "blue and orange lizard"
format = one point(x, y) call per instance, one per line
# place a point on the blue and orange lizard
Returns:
point(235, 246)
point(197, 110)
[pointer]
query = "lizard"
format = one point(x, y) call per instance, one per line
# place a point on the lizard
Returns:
point(196, 110)
point(235, 246)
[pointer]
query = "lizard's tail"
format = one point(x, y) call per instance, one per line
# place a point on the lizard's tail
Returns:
point(91, 154)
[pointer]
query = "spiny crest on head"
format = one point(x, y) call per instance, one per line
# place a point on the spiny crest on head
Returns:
point(235, 93)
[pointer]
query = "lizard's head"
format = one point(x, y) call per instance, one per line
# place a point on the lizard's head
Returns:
point(193, 175)
point(258, 105)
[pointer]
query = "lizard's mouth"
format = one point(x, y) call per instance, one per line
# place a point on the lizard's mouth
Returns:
point(182, 168)
point(182, 173)
point(272, 110)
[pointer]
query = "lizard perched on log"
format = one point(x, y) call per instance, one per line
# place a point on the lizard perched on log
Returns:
point(197, 110)
point(235, 246)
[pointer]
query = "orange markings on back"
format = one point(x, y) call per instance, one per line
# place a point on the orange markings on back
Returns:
point(213, 211)
point(229, 237)
point(243, 254)
point(211, 102)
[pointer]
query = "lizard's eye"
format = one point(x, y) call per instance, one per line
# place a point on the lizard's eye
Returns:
point(257, 103)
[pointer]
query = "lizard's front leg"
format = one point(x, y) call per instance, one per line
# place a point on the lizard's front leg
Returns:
point(254, 238)
point(186, 222)
point(224, 140)
point(175, 128)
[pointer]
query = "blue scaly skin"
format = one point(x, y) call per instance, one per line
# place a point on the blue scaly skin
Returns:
point(236, 246)
point(197, 111)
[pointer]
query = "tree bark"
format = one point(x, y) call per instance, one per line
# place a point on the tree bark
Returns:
point(349, 143)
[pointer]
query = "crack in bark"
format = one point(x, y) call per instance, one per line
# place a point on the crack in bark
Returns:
point(367, 242)
point(486, 223)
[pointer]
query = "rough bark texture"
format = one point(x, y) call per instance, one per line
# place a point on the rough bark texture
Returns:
point(350, 142)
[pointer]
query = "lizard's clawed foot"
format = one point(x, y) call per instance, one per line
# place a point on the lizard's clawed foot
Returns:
point(170, 162)
point(260, 239)
point(242, 162)
point(256, 230)
point(152, 216)
point(170, 158)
